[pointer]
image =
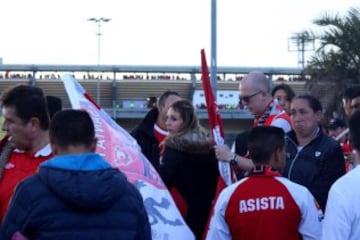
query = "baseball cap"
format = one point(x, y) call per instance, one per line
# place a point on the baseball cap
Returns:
point(335, 123)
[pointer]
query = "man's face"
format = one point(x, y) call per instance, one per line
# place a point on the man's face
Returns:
point(252, 97)
point(355, 104)
point(303, 118)
point(20, 133)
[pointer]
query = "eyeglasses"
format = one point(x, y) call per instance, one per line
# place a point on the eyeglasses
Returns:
point(247, 98)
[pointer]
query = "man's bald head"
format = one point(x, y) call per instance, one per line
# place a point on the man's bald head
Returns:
point(254, 91)
point(257, 80)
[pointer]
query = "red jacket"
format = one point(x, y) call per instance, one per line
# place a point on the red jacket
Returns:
point(265, 206)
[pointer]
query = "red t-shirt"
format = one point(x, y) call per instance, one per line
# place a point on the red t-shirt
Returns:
point(19, 166)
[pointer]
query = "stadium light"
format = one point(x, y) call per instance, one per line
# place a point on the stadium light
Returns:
point(98, 21)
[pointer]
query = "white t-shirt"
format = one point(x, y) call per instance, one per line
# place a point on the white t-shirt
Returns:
point(342, 214)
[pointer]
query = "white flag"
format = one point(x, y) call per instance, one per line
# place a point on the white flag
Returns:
point(121, 150)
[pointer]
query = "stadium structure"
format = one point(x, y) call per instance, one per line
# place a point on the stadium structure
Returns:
point(127, 92)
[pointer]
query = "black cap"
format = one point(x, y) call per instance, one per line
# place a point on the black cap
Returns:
point(335, 123)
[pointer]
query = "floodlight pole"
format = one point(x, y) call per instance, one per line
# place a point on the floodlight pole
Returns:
point(98, 21)
point(213, 62)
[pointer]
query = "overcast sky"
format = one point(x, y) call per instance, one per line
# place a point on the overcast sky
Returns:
point(157, 32)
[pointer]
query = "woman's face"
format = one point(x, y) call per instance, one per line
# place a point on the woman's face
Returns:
point(174, 123)
point(303, 118)
point(282, 98)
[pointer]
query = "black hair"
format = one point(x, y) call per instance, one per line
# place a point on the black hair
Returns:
point(354, 128)
point(355, 93)
point(28, 102)
point(349, 92)
point(290, 94)
point(165, 95)
point(72, 127)
point(263, 141)
point(54, 105)
point(313, 102)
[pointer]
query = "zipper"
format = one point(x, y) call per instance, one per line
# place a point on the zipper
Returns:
point(297, 154)
point(293, 161)
point(298, 151)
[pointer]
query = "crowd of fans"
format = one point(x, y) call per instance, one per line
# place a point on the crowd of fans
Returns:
point(293, 177)
point(137, 76)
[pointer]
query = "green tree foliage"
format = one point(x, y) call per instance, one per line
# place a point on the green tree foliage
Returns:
point(336, 62)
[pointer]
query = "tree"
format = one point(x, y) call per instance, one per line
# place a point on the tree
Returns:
point(336, 62)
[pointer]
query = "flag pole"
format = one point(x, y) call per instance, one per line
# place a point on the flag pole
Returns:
point(213, 62)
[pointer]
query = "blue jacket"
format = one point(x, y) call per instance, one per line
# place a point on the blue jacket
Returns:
point(316, 166)
point(77, 197)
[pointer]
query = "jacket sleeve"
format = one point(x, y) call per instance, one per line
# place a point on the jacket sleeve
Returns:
point(219, 228)
point(336, 223)
point(18, 212)
point(169, 166)
point(332, 168)
point(311, 217)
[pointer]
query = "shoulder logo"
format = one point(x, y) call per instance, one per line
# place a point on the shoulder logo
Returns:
point(9, 165)
point(317, 154)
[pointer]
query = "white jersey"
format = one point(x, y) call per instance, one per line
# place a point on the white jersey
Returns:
point(342, 214)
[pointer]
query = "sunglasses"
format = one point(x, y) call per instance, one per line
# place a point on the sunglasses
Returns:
point(248, 98)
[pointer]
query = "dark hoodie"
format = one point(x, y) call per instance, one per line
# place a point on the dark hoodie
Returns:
point(77, 197)
point(190, 167)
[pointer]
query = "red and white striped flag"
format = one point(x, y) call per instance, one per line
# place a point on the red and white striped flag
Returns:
point(121, 150)
point(216, 126)
point(215, 122)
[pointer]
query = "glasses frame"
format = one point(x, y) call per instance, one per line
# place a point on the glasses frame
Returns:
point(246, 99)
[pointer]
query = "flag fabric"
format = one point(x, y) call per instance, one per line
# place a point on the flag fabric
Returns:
point(215, 122)
point(216, 126)
point(121, 150)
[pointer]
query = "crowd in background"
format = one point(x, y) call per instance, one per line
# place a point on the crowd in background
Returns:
point(283, 169)
point(9, 75)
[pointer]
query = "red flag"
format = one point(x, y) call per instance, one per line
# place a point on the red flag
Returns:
point(215, 121)
point(216, 127)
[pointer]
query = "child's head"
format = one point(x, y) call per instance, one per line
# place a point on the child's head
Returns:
point(72, 130)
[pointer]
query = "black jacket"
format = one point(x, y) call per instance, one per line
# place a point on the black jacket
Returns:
point(317, 166)
point(145, 137)
point(190, 166)
point(77, 197)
